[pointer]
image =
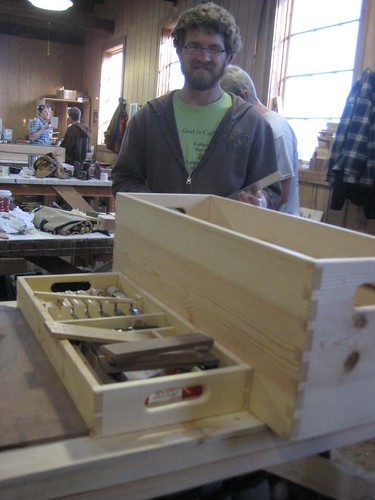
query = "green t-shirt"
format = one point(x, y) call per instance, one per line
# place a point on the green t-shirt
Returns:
point(196, 126)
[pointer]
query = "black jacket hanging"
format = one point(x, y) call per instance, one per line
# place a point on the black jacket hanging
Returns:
point(116, 129)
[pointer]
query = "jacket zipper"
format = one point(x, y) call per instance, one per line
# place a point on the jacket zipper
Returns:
point(188, 183)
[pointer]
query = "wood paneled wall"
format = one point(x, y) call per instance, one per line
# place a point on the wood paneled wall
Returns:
point(140, 22)
point(28, 73)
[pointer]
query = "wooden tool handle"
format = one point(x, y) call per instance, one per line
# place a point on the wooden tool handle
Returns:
point(116, 353)
point(187, 358)
point(100, 335)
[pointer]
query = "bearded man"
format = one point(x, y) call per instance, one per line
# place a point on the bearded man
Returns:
point(199, 139)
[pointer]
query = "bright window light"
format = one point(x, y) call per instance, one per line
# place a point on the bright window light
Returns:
point(110, 87)
point(320, 60)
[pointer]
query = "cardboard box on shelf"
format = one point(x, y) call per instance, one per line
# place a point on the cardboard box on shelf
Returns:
point(66, 94)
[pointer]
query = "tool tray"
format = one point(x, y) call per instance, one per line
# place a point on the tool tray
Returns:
point(132, 401)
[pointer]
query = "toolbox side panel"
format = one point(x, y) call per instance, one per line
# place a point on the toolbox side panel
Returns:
point(276, 290)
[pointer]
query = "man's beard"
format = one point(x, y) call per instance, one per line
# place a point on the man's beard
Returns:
point(206, 82)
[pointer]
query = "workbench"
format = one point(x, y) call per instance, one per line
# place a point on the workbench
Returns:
point(72, 190)
point(46, 249)
point(46, 451)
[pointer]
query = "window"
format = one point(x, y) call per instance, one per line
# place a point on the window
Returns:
point(170, 76)
point(314, 52)
point(111, 84)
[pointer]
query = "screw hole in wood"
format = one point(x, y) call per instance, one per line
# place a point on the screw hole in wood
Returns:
point(351, 361)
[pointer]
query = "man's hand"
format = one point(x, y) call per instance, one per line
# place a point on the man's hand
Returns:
point(258, 199)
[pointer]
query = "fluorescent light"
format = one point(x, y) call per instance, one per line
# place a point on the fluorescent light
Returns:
point(52, 4)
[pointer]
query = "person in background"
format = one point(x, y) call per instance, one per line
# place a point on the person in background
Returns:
point(199, 139)
point(237, 81)
point(39, 128)
point(76, 140)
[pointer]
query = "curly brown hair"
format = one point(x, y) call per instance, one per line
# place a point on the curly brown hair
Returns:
point(210, 17)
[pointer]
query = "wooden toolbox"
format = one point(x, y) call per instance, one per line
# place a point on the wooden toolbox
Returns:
point(293, 298)
point(74, 315)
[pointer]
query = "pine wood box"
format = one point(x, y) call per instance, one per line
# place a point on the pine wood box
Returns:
point(294, 298)
point(110, 407)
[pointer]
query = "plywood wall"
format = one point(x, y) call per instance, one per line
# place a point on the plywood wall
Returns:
point(28, 73)
point(139, 23)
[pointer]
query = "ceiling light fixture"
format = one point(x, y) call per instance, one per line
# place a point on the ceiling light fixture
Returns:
point(52, 4)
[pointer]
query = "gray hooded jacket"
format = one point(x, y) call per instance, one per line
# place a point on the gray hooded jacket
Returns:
point(240, 152)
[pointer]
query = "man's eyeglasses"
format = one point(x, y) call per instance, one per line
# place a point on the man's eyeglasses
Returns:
point(192, 49)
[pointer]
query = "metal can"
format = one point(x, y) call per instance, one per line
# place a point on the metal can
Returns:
point(5, 200)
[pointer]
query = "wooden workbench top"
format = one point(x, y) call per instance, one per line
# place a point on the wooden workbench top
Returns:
point(47, 453)
point(41, 181)
point(34, 405)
